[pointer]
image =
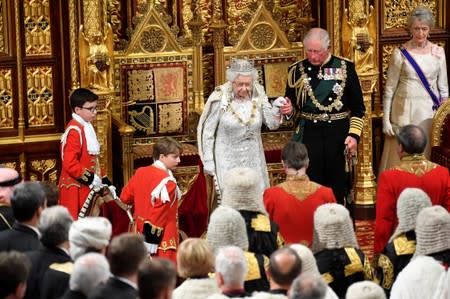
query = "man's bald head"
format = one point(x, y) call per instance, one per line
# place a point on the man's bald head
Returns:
point(8, 179)
point(284, 266)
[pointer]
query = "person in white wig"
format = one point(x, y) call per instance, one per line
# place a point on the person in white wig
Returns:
point(426, 275)
point(402, 244)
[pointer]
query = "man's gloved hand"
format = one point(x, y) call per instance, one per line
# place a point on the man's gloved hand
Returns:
point(209, 168)
point(151, 248)
point(112, 189)
point(96, 183)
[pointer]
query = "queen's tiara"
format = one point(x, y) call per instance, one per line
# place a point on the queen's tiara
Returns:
point(241, 65)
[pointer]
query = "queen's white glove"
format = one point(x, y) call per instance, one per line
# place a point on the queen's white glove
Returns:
point(151, 248)
point(209, 168)
point(278, 102)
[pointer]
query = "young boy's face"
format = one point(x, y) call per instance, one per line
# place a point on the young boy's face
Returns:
point(171, 160)
point(88, 112)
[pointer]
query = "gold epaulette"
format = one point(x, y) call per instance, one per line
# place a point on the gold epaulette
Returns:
point(297, 62)
point(62, 267)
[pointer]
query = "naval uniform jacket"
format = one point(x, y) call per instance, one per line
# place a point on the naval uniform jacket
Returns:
point(324, 93)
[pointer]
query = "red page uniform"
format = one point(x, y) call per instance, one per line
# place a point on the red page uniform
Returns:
point(155, 195)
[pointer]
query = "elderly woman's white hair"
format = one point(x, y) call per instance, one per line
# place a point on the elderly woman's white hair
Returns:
point(241, 67)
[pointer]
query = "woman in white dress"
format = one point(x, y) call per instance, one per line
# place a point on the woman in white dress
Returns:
point(406, 101)
point(229, 130)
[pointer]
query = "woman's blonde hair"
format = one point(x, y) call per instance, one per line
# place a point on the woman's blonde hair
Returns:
point(195, 258)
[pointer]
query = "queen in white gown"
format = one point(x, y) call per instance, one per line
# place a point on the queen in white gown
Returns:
point(406, 101)
point(229, 130)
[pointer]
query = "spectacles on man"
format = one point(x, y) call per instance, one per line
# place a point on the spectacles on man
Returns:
point(91, 109)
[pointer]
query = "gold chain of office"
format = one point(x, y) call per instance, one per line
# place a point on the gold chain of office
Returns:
point(337, 103)
point(239, 119)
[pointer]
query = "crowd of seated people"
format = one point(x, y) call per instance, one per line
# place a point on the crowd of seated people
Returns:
point(45, 254)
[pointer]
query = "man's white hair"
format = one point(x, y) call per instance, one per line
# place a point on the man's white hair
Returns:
point(88, 272)
point(232, 265)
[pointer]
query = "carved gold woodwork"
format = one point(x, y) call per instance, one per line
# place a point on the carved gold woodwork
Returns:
point(365, 186)
point(4, 27)
point(114, 16)
point(292, 16)
point(96, 59)
point(43, 170)
point(36, 18)
point(74, 47)
point(6, 97)
point(358, 39)
point(396, 12)
point(358, 35)
point(41, 110)
point(102, 124)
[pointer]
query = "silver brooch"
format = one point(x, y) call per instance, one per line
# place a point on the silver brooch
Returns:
point(337, 89)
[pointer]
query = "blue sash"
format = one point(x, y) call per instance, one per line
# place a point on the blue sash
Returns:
point(436, 101)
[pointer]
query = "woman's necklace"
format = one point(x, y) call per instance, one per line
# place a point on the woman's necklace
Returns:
point(416, 46)
point(239, 119)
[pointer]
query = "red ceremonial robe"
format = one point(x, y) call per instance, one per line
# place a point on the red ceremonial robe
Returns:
point(413, 172)
point(291, 205)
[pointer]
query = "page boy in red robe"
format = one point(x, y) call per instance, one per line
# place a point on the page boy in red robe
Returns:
point(154, 193)
point(79, 152)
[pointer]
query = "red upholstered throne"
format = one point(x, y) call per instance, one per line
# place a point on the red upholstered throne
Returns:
point(440, 135)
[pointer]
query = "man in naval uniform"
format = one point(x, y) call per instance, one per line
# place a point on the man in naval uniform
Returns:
point(326, 93)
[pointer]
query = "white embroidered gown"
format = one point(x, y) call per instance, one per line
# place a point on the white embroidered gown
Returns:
point(231, 143)
point(411, 103)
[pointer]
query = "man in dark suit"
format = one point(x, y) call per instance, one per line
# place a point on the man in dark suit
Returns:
point(125, 253)
point(14, 268)
point(8, 179)
point(54, 227)
point(90, 234)
point(90, 270)
point(27, 202)
point(156, 279)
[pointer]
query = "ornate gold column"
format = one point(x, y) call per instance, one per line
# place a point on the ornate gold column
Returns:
point(218, 36)
point(196, 27)
point(96, 66)
point(359, 43)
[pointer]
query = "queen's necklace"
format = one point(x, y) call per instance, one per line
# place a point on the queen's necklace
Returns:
point(338, 89)
point(239, 119)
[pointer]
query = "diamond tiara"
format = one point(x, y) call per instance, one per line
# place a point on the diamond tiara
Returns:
point(242, 65)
